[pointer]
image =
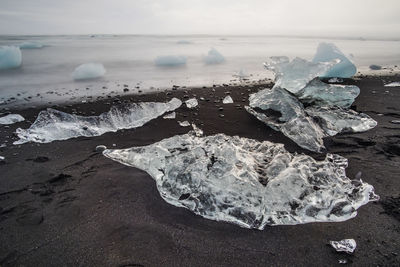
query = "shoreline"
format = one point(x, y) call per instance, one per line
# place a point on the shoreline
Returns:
point(62, 203)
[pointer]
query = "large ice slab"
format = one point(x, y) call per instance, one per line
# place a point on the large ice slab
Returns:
point(52, 124)
point(296, 74)
point(323, 94)
point(11, 119)
point(89, 71)
point(246, 182)
point(213, 57)
point(170, 61)
point(10, 57)
point(327, 52)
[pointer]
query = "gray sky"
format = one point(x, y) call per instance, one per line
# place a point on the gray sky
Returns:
point(369, 18)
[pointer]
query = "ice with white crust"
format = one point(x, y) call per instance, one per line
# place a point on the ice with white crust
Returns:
point(10, 57)
point(52, 124)
point(247, 182)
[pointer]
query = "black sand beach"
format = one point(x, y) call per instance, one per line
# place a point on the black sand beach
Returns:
point(63, 204)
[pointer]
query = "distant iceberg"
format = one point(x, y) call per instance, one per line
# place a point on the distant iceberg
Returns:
point(31, 45)
point(327, 52)
point(393, 84)
point(213, 57)
point(184, 42)
point(247, 182)
point(10, 57)
point(11, 119)
point(89, 71)
point(170, 61)
point(52, 124)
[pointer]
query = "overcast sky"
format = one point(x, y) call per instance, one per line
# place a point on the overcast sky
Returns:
point(369, 18)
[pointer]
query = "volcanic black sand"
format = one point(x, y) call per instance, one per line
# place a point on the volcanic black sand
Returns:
point(63, 204)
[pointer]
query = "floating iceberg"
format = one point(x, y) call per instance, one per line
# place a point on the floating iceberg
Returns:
point(52, 124)
point(393, 84)
point(170, 61)
point(11, 119)
point(307, 127)
point(327, 52)
point(227, 100)
point(296, 74)
point(323, 94)
point(345, 245)
point(213, 57)
point(31, 45)
point(191, 103)
point(89, 71)
point(10, 57)
point(246, 182)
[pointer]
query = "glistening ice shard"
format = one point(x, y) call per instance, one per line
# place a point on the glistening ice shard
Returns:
point(246, 182)
point(52, 124)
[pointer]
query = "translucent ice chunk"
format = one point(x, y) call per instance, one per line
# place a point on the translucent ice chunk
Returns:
point(296, 74)
point(322, 94)
point(246, 182)
point(89, 71)
point(31, 45)
point(170, 116)
point(337, 120)
point(170, 61)
point(213, 57)
point(10, 57)
point(11, 119)
point(345, 245)
point(327, 52)
point(292, 121)
point(184, 123)
point(393, 84)
point(53, 125)
point(227, 100)
point(191, 103)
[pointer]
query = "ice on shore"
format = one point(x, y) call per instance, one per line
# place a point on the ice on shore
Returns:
point(170, 116)
point(393, 84)
point(170, 61)
point(191, 103)
point(10, 57)
point(213, 57)
point(31, 45)
point(11, 119)
point(89, 71)
point(227, 100)
point(345, 245)
point(326, 52)
point(52, 124)
point(184, 123)
point(247, 182)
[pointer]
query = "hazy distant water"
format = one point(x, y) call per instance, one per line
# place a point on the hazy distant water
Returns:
point(130, 60)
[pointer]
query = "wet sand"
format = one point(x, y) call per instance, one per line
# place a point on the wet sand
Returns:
point(63, 204)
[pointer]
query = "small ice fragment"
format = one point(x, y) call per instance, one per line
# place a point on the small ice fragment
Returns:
point(31, 45)
point(345, 245)
point(213, 57)
point(11, 119)
point(89, 71)
point(197, 131)
point(170, 61)
point(227, 100)
point(2, 158)
point(395, 121)
point(327, 52)
point(10, 57)
point(100, 148)
point(170, 116)
point(335, 80)
point(393, 84)
point(191, 103)
point(184, 123)
point(375, 67)
point(51, 124)
point(342, 261)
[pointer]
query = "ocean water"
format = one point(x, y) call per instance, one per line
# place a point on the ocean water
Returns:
point(46, 73)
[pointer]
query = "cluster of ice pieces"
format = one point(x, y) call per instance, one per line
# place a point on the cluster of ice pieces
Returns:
point(247, 182)
point(213, 57)
point(304, 108)
point(11, 119)
point(89, 71)
point(170, 61)
point(10, 57)
point(52, 124)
